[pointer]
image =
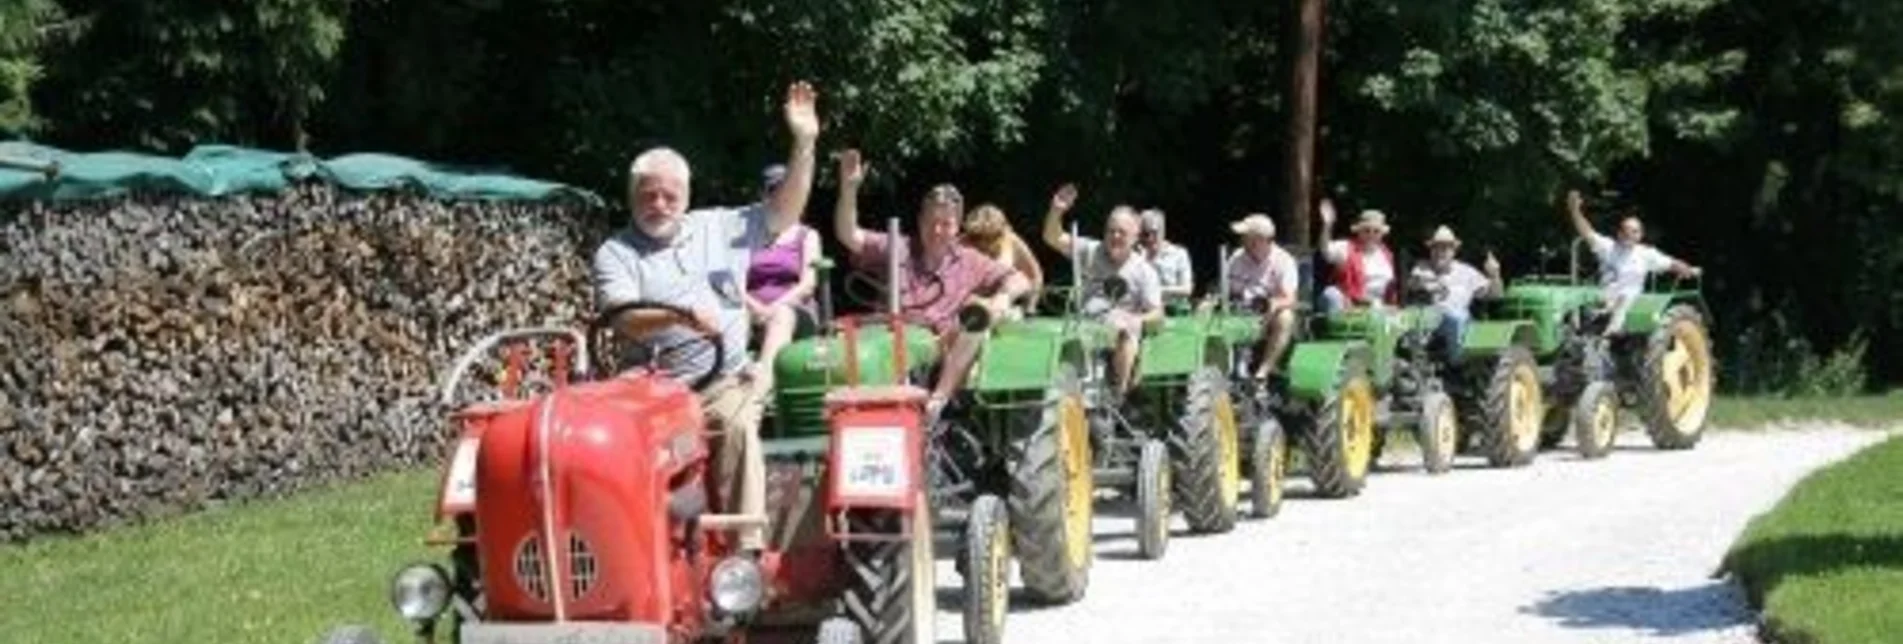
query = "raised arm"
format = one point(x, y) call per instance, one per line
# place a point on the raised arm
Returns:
point(1575, 212)
point(802, 120)
point(1054, 234)
point(1495, 285)
point(846, 229)
point(1327, 211)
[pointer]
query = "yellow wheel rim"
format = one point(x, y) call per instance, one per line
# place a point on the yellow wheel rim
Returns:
point(1686, 373)
point(1523, 394)
point(1226, 435)
point(1605, 420)
point(1357, 426)
point(1278, 467)
point(1446, 431)
point(1075, 440)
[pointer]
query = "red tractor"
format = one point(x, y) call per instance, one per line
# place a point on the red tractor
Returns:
point(584, 514)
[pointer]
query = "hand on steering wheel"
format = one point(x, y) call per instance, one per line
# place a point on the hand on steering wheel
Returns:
point(705, 328)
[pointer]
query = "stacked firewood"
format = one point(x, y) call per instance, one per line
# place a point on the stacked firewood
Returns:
point(162, 353)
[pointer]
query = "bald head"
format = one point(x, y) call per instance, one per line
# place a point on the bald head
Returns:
point(1120, 232)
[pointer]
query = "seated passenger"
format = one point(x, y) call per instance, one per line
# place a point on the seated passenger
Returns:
point(1170, 260)
point(989, 232)
point(1623, 264)
point(1263, 277)
point(940, 275)
point(1364, 268)
point(1140, 306)
point(1453, 284)
point(780, 284)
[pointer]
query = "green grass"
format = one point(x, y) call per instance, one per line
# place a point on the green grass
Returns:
point(1872, 411)
point(273, 571)
point(1826, 564)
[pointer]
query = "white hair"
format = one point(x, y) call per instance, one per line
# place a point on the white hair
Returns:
point(660, 162)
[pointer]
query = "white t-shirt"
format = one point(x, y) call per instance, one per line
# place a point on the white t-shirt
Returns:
point(1250, 280)
point(1460, 283)
point(1622, 268)
point(1376, 270)
point(1146, 289)
point(1172, 266)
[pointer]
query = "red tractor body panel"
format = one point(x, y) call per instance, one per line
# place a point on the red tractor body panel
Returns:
point(592, 465)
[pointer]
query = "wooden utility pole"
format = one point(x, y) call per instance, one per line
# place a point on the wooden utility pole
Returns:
point(1304, 45)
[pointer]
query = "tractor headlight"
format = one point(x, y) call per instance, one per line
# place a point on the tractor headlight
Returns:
point(737, 586)
point(420, 592)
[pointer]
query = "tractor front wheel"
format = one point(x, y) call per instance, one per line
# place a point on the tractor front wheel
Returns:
point(1268, 467)
point(1675, 382)
point(1438, 433)
point(1153, 500)
point(1206, 458)
point(988, 570)
point(1596, 420)
point(892, 594)
point(1052, 488)
point(1340, 437)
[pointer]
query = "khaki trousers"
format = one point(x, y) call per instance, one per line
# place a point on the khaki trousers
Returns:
point(733, 409)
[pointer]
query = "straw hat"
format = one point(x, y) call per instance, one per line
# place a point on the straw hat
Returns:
point(1374, 219)
point(1443, 235)
point(1255, 224)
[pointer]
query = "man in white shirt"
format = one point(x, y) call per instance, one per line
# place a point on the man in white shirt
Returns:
point(1171, 261)
point(1623, 263)
point(1263, 277)
point(1364, 267)
point(1454, 284)
point(1140, 305)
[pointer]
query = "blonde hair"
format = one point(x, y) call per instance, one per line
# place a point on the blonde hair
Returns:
point(988, 231)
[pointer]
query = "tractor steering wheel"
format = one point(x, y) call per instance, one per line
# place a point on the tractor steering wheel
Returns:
point(605, 320)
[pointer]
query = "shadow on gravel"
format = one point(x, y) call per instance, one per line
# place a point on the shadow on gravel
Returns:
point(1713, 606)
point(953, 600)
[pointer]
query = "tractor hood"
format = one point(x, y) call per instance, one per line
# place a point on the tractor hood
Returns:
point(805, 369)
point(572, 501)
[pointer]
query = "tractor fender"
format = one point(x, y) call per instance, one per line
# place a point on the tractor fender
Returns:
point(1017, 359)
point(1178, 349)
point(1315, 367)
point(1487, 338)
point(1648, 311)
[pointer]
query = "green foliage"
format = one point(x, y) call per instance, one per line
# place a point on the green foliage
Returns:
point(23, 30)
point(1826, 564)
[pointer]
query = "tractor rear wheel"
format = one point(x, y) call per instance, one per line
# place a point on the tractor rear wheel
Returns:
point(1052, 488)
point(892, 594)
point(1268, 467)
point(1596, 420)
point(988, 570)
point(1510, 416)
point(1206, 459)
point(1153, 500)
point(1675, 381)
point(1340, 437)
point(1438, 433)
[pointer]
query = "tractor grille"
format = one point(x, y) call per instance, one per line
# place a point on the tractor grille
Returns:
point(799, 411)
point(533, 578)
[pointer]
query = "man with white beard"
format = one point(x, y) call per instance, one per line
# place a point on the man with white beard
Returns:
point(698, 261)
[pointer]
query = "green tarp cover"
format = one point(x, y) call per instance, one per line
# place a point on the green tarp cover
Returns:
point(219, 170)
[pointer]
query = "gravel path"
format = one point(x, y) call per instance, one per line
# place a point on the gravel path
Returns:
point(1619, 550)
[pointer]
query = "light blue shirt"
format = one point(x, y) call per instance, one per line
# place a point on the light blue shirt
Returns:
point(704, 268)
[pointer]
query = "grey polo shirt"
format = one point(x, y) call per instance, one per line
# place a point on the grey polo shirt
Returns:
point(704, 267)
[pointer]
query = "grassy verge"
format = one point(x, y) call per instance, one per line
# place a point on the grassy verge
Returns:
point(1826, 564)
point(275, 571)
point(1873, 411)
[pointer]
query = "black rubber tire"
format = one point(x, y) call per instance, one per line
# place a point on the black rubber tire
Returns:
point(987, 558)
point(1197, 457)
point(890, 590)
point(1653, 393)
point(1326, 442)
point(1268, 468)
point(1039, 504)
point(1153, 500)
point(1498, 442)
point(1437, 416)
point(1588, 440)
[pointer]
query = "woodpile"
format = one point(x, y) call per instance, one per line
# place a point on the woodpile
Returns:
point(164, 353)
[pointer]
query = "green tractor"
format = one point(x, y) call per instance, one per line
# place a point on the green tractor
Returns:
point(1009, 460)
point(1654, 360)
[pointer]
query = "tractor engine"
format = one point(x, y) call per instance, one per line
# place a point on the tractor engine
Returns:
point(586, 505)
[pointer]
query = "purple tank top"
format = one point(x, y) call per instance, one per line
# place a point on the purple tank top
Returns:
point(776, 267)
